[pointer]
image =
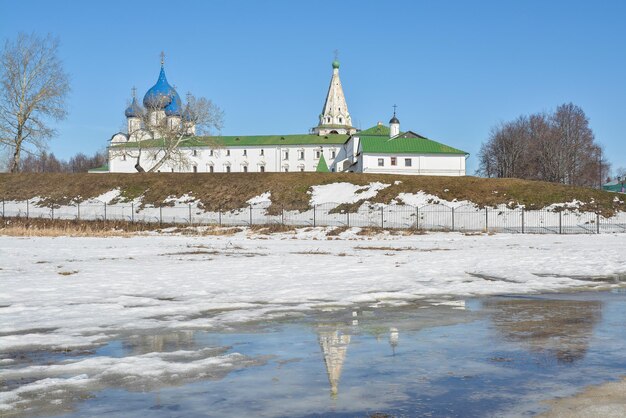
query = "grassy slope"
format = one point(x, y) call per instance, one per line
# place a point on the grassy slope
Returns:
point(232, 190)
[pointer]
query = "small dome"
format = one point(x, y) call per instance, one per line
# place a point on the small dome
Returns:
point(394, 119)
point(187, 114)
point(161, 94)
point(133, 110)
point(335, 64)
point(175, 107)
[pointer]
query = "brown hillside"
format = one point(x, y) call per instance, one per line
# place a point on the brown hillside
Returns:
point(289, 190)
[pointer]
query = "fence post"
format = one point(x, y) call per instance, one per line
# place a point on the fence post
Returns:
point(314, 220)
point(52, 211)
point(250, 215)
point(78, 210)
point(486, 219)
point(348, 217)
point(27, 209)
point(160, 215)
point(282, 215)
point(417, 217)
point(453, 219)
point(597, 222)
point(105, 211)
point(190, 214)
point(132, 213)
point(560, 222)
point(3, 208)
point(522, 220)
point(219, 215)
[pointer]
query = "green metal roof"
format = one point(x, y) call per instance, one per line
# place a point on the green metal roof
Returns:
point(247, 141)
point(378, 130)
point(399, 145)
point(101, 168)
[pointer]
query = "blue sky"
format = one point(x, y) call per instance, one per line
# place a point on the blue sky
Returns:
point(454, 68)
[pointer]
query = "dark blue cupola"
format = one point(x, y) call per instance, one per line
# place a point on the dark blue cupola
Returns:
point(175, 107)
point(161, 95)
point(133, 111)
point(187, 115)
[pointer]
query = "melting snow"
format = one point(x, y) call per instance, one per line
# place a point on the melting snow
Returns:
point(344, 192)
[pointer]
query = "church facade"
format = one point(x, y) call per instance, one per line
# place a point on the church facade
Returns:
point(334, 145)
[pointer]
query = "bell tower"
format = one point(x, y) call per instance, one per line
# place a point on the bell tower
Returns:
point(335, 118)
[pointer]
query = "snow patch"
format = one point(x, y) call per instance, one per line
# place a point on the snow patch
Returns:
point(262, 199)
point(344, 192)
point(421, 199)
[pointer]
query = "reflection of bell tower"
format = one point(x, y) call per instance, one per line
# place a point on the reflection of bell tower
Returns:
point(334, 346)
point(394, 336)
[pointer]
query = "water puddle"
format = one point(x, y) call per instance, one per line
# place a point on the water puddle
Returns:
point(489, 356)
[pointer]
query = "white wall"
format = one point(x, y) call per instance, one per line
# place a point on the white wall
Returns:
point(273, 159)
point(421, 164)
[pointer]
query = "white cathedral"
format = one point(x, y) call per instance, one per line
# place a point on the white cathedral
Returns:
point(334, 145)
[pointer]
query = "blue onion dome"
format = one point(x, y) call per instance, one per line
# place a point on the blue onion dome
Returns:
point(161, 94)
point(175, 106)
point(133, 110)
point(187, 114)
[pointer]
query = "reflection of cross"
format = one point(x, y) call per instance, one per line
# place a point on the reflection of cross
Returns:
point(336, 52)
point(394, 109)
point(162, 57)
point(134, 90)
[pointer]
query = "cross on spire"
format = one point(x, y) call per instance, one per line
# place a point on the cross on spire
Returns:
point(134, 91)
point(336, 52)
point(394, 109)
point(162, 58)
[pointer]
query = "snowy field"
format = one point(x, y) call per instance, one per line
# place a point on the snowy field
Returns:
point(61, 294)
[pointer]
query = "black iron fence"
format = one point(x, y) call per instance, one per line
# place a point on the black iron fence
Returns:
point(431, 217)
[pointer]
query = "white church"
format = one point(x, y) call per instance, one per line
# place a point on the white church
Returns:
point(334, 145)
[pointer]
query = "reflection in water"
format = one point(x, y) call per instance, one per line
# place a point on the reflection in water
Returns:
point(558, 328)
point(143, 344)
point(334, 346)
point(394, 336)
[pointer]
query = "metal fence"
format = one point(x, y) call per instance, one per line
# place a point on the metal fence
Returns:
point(431, 217)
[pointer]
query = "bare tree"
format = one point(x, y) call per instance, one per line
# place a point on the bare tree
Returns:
point(558, 147)
point(34, 88)
point(162, 140)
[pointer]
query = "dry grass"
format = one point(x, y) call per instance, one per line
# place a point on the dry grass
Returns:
point(289, 190)
point(318, 252)
point(68, 273)
point(336, 231)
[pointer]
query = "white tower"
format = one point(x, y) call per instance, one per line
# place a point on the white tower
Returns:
point(335, 118)
point(394, 124)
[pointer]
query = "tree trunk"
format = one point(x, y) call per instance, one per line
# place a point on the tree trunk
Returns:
point(15, 161)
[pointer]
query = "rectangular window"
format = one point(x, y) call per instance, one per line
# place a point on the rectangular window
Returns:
point(301, 155)
point(195, 168)
point(245, 152)
point(172, 170)
point(228, 169)
point(262, 169)
point(333, 154)
point(318, 154)
point(228, 153)
point(195, 153)
point(286, 169)
point(381, 162)
point(285, 155)
point(301, 168)
point(245, 168)
point(394, 161)
point(210, 153)
point(124, 157)
point(407, 162)
point(211, 169)
point(262, 153)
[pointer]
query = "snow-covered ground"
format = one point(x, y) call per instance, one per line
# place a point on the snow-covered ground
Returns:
point(70, 293)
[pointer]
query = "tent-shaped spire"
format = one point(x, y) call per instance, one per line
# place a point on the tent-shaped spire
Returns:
point(335, 118)
point(322, 167)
